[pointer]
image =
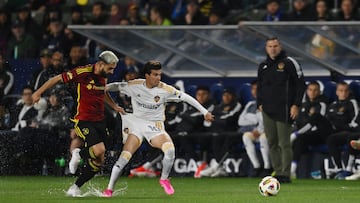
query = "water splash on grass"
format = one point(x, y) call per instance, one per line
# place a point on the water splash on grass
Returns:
point(96, 190)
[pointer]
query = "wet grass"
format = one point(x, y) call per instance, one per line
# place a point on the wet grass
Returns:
point(52, 189)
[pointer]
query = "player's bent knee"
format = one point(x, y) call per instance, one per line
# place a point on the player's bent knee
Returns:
point(126, 155)
point(169, 150)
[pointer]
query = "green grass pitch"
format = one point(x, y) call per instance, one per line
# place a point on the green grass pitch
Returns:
point(49, 189)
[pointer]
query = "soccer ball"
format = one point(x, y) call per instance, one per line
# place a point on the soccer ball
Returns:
point(269, 186)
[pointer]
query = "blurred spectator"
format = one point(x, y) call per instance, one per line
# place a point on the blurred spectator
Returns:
point(252, 129)
point(21, 44)
point(77, 17)
point(56, 67)
point(45, 63)
point(99, 14)
point(5, 29)
point(205, 6)
point(6, 77)
point(56, 116)
point(312, 128)
point(193, 16)
point(72, 38)
point(179, 10)
point(322, 11)
point(51, 13)
point(55, 40)
point(215, 18)
point(76, 57)
point(116, 14)
point(301, 11)
point(274, 12)
point(133, 16)
point(343, 115)
point(157, 17)
point(348, 11)
point(31, 26)
point(24, 112)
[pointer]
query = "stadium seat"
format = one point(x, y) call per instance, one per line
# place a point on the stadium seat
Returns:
point(191, 90)
point(216, 91)
point(355, 89)
point(244, 94)
point(330, 90)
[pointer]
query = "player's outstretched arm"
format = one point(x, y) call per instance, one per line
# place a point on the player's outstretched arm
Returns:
point(193, 102)
point(113, 105)
point(47, 85)
point(113, 87)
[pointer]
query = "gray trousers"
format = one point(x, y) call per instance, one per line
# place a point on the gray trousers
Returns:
point(278, 135)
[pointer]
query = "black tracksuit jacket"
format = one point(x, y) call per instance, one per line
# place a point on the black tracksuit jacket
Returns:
point(280, 85)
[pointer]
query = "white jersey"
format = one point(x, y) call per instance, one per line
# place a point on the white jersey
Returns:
point(149, 103)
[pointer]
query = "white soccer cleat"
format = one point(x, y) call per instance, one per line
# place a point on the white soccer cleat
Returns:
point(74, 161)
point(219, 172)
point(208, 171)
point(355, 176)
point(73, 191)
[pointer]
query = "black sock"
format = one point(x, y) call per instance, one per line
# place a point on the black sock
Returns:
point(88, 171)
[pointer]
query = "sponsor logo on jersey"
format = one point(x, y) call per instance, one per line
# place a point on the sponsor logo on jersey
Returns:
point(148, 106)
point(94, 87)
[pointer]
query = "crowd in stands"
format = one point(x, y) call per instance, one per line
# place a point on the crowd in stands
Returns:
point(58, 49)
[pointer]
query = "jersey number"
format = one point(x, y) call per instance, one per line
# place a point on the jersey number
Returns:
point(153, 128)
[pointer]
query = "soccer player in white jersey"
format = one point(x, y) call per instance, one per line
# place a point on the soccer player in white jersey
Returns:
point(148, 97)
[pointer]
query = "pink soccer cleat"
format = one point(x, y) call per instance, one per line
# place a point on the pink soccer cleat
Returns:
point(168, 188)
point(107, 193)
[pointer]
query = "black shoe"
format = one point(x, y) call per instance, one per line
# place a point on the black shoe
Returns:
point(266, 172)
point(256, 172)
point(283, 179)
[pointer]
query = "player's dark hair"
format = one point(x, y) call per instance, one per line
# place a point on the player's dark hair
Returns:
point(151, 65)
point(254, 82)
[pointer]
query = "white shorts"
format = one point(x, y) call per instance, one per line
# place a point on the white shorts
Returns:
point(141, 128)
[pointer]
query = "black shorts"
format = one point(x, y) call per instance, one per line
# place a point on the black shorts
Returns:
point(92, 132)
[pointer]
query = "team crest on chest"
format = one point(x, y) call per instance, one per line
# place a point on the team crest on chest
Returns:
point(85, 131)
point(156, 98)
point(280, 66)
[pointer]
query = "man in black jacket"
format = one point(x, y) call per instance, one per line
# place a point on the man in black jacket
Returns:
point(312, 127)
point(343, 116)
point(281, 87)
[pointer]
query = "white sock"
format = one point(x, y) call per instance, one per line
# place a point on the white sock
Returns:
point(350, 162)
point(265, 151)
point(250, 149)
point(116, 170)
point(167, 163)
point(293, 167)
